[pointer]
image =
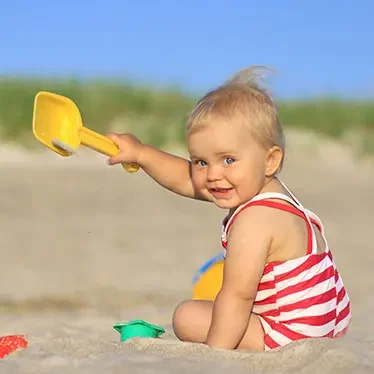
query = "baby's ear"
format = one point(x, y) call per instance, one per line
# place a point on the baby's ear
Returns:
point(273, 160)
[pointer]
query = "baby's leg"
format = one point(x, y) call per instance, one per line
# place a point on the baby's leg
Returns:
point(192, 319)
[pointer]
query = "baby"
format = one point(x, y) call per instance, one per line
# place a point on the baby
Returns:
point(280, 282)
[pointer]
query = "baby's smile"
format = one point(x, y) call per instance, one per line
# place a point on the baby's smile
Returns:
point(220, 192)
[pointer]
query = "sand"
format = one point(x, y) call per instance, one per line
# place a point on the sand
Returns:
point(84, 245)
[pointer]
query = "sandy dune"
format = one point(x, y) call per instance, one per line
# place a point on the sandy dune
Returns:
point(84, 246)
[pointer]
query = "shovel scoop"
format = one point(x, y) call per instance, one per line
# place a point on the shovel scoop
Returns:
point(57, 124)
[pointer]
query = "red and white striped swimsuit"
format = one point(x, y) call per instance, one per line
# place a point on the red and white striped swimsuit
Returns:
point(299, 298)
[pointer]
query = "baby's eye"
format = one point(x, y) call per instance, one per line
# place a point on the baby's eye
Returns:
point(228, 160)
point(201, 163)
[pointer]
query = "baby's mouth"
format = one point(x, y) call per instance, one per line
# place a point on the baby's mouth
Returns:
point(219, 191)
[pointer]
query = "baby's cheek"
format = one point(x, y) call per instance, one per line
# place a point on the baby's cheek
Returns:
point(200, 185)
point(198, 177)
point(237, 176)
point(196, 181)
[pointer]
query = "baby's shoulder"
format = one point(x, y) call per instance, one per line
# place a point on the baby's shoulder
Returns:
point(256, 218)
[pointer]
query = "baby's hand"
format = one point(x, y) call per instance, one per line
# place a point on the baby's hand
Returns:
point(129, 146)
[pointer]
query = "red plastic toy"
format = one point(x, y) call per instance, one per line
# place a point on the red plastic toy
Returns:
point(11, 343)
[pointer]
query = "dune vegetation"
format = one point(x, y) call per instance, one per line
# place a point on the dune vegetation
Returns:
point(158, 115)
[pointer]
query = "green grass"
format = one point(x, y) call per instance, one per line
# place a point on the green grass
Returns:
point(158, 115)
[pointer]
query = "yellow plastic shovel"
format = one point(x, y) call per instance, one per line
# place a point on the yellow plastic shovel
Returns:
point(57, 124)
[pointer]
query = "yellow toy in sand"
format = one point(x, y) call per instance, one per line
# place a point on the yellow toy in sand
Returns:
point(208, 279)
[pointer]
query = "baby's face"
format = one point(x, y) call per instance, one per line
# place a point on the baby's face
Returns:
point(228, 166)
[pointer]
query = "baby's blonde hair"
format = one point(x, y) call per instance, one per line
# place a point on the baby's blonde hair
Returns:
point(241, 98)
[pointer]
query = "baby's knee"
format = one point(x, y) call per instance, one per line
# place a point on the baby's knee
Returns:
point(182, 319)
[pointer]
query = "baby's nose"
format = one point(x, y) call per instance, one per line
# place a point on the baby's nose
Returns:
point(214, 173)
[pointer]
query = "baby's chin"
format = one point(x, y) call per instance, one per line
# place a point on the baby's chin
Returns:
point(225, 204)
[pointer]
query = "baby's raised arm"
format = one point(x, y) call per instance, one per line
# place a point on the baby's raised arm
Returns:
point(170, 171)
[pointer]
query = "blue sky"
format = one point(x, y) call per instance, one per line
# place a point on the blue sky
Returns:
point(317, 47)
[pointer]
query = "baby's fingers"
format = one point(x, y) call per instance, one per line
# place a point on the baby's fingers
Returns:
point(113, 137)
point(115, 160)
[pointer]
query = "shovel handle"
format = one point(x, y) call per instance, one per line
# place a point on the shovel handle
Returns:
point(104, 145)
